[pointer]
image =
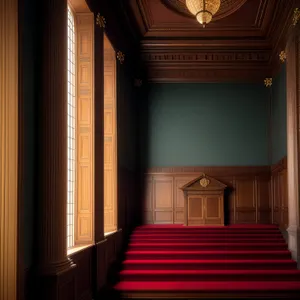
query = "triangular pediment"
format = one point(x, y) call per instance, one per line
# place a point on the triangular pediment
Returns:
point(204, 182)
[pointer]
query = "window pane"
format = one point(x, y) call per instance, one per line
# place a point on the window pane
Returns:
point(71, 130)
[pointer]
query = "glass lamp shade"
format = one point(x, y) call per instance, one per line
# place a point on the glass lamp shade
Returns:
point(203, 9)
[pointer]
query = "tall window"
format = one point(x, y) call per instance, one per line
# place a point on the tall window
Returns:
point(80, 114)
point(71, 130)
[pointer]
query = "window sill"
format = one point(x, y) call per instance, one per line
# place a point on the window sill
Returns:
point(110, 233)
point(76, 249)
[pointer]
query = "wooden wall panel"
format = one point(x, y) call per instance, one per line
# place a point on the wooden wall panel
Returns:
point(110, 138)
point(84, 263)
point(247, 199)
point(279, 199)
point(85, 129)
point(264, 203)
point(163, 199)
point(179, 198)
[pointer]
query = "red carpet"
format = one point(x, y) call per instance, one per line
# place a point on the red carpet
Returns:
point(173, 260)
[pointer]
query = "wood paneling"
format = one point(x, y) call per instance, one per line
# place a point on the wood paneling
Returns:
point(195, 210)
point(163, 195)
point(85, 129)
point(110, 138)
point(247, 198)
point(84, 272)
point(279, 194)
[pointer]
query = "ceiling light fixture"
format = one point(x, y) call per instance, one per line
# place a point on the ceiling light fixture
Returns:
point(203, 9)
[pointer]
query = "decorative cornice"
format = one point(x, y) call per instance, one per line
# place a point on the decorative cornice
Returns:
point(296, 16)
point(206, 74)
point(207, 56)
point(100, 21)
point(282, 56)
point(268, 82)
point(121, 57)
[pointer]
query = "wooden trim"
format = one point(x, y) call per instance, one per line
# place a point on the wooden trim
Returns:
point(281, 165)
point(210, 170)
point(99, 133)
point(9, 150)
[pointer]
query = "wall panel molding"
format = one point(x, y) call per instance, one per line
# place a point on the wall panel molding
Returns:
point(85, 129)
point(248, 196)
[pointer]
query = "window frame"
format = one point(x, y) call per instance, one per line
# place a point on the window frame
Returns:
point(74, 139)
point(84, 143)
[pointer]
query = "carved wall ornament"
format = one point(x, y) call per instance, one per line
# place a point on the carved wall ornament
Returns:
point(100, 21)
point(282, 56)
point(138, 82)
point(120, 57)
point(204, 182)
point(268, 82)
point(296, 16)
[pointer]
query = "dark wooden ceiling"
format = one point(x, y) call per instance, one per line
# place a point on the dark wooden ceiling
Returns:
point(242, 42)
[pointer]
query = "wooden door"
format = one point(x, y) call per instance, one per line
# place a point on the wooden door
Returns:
point(195, 210)
point(213, 210)
point(110, 139)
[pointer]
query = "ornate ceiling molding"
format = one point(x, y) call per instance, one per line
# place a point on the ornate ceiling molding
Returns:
point(244, 46)
point(159, 57)
point(173, 75)
point(207, 66)
point(227, 7)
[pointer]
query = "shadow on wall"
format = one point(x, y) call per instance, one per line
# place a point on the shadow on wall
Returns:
point(143, 148)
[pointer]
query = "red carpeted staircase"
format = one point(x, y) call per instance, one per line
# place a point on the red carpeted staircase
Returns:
point(238, 261)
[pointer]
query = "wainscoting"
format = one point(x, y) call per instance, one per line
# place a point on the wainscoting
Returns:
point(254, 195)
point(95, 263)
point(279, 193)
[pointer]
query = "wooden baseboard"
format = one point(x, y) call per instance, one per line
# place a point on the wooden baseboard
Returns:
point(195, 295)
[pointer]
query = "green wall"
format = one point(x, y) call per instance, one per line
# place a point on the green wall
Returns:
point(204, 124)
point(279, 134)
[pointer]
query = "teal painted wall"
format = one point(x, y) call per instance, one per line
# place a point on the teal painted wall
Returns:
point(279, 134)
point(204, 124)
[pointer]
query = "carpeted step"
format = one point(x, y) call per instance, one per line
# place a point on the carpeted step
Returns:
point(210, 275)
point(207, 240)
point(208, 261)
point(212, 286)
point(266, 232)
point(207, 246)
point(193, 264)
point(210, 235)
point(216, 255)
point(229, 227)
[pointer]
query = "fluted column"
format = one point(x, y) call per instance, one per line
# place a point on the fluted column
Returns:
point(52, 138)
point(293, 133)
point(8, 148)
